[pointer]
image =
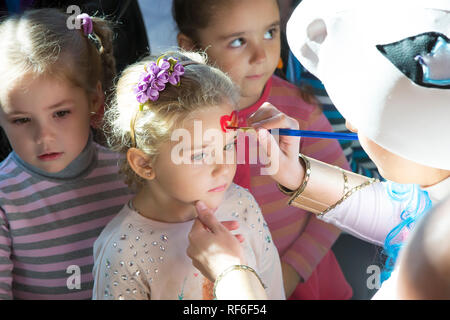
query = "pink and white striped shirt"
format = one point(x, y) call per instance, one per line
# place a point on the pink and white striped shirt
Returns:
point(49, 222)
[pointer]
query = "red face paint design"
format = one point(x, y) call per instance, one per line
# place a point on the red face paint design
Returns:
point(228, 121)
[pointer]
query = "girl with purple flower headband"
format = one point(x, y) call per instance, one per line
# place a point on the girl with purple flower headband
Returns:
point(141, 254)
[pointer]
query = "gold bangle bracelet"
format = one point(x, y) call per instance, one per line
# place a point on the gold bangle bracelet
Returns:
point(305, 179)
point(340, 186)
point(302, 187)
point(239, 267)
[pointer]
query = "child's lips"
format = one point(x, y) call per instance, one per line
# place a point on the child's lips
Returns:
point(219, 189)
point(50, 156)
point(255, 76)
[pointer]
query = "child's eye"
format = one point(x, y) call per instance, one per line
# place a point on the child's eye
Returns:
point(230, 146)
point(237, 43)
point(198, 156)
point(61, 114)
point(21, 121)
point(270, 34)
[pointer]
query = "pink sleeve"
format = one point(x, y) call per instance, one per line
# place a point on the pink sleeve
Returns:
point(311, 246)
point(6, 264)
point(318, 237)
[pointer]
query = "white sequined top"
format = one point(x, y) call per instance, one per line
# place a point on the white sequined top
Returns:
point(139, 258)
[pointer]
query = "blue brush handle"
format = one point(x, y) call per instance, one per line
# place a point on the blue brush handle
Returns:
point(315, 134)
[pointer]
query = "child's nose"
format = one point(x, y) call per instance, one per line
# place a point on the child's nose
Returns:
point(43, 134)
point(220, 169)
point(258, 54)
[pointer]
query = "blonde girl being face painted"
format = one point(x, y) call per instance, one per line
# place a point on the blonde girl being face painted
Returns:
point(172, 161)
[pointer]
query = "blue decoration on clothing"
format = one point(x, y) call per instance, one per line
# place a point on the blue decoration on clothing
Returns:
point(436, 65)
point(181, 294)
point(418, 203)
point(423, 59)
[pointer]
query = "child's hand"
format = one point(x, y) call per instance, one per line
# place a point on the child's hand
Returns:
point(212, 247)
point(290, 171)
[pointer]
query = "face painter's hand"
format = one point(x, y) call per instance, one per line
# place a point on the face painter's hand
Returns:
point(212, 247)
point(289, 170)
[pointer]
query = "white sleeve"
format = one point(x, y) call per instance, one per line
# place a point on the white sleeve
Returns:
point(369, 214)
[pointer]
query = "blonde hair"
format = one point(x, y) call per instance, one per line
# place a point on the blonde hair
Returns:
point(201, 87)
point(39, 42)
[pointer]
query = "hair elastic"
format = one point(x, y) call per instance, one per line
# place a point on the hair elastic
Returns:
point(88, 30)
point(86, 23)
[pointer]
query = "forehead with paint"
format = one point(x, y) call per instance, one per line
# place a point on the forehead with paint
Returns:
point(206, 131)
point(385, 65)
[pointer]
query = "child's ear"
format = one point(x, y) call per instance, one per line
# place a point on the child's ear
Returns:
point(141, 164)
point(98, 98)
point(185, 42)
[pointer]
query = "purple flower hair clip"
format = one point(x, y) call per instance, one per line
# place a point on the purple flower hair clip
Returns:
point(86, 23)
point(156, 76)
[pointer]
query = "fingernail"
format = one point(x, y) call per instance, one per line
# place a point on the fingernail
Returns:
point(201, 206)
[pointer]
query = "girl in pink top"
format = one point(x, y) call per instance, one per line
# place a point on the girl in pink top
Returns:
point(244, 41)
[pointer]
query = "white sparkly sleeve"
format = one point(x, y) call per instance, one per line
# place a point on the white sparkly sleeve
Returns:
point(267, 257)
point(117, 273)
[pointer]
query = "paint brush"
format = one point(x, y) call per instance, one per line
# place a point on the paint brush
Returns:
point(304, 133)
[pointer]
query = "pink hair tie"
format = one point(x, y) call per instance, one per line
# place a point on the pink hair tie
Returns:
point(86, 23)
